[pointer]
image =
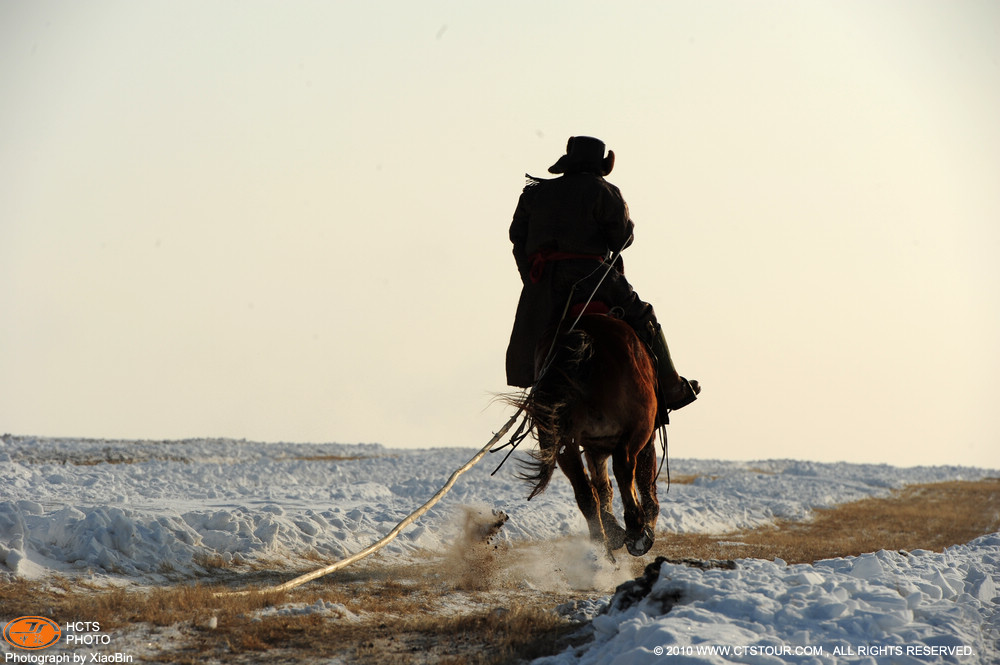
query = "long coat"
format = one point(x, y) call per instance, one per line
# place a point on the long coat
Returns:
point(562, 229)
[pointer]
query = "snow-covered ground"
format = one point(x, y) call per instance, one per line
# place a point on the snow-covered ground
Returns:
point(155, 511)
point(885, 607)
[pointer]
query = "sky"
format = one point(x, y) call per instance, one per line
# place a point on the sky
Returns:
point(288, 221)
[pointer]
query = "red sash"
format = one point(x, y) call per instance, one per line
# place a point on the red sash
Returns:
point(539, 259)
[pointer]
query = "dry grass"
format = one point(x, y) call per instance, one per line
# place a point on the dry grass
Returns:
point(118, 458)
point(453, 611)
point(116, 608)
point(680, 478)
point(126, 460)
point(401, 621)
point(329, 458)
point(928, 517)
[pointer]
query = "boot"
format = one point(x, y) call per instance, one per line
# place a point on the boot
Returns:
point(673, 390)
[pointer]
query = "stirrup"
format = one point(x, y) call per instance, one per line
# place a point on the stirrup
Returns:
point(691, 391)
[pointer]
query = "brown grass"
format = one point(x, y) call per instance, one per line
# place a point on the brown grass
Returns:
point(680, 478)
point(126, 460)
point(928, 517)
point(431, 613)
point(330, 458)
point(117, 457)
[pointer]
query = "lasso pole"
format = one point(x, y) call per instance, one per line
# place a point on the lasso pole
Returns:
point(374, 547)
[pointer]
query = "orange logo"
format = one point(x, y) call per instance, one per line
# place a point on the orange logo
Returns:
point(32, 632)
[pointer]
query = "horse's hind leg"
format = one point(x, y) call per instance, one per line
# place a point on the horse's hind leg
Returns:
point(638, 535)
point(598, 465)
point(586, 498)
point(645, 481)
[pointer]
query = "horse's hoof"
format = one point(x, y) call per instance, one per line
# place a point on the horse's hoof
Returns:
point(640, 545)
point(613, 532)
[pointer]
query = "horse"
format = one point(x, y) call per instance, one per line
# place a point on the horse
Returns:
point(596, 398)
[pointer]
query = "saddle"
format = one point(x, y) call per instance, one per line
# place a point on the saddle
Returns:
point(684, 391)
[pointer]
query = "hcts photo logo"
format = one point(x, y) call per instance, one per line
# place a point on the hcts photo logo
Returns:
point(31, 632)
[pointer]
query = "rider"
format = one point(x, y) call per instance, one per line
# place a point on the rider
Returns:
point(563, 230)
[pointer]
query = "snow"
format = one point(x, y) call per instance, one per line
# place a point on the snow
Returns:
point(148, 512)
point(894, 607)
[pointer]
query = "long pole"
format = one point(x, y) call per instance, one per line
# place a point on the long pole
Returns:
point(374, 547)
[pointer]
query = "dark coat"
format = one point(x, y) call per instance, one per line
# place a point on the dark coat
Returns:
point(562, 229)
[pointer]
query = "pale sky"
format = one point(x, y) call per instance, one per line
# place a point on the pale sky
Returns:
point(287, 221)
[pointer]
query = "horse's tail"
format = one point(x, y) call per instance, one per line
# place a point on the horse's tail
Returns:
point(551, 400)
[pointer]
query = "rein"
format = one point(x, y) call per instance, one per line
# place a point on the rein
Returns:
point(662, 431)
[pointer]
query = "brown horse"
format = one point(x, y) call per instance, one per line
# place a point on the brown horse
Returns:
point(598, 396)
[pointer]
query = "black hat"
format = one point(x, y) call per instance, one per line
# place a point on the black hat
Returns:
point(584, 153)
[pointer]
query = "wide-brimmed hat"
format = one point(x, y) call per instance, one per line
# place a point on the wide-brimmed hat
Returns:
point(584, 153)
